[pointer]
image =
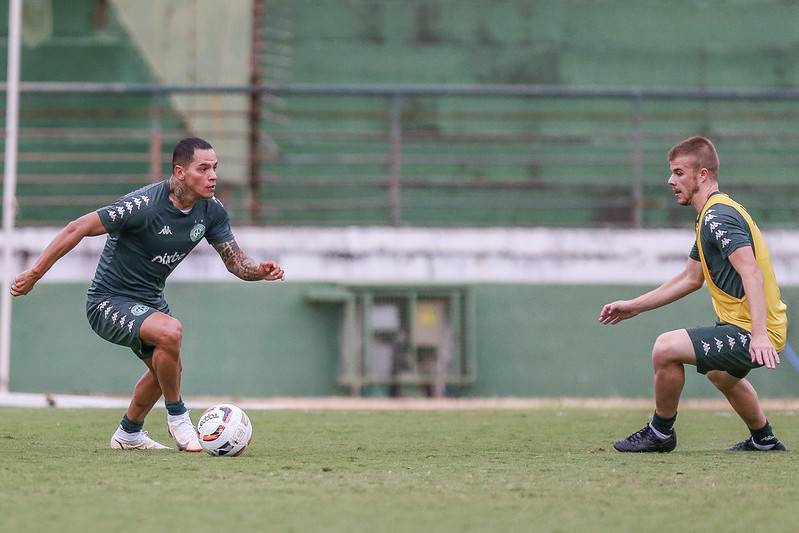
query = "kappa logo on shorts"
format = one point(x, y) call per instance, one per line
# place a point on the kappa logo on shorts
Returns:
point(719, 344)
point(139, 309)
point(731, 342)
point(125, 322)
point(705, 347)
point(197, 232)
point(744, 339)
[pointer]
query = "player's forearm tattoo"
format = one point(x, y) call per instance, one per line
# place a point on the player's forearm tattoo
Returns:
point(236, 261)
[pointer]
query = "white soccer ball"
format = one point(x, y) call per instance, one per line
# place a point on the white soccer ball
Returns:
point(224, 429)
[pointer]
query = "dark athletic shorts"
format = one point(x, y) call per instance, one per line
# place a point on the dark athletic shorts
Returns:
point(118, 319)
point(722, 347)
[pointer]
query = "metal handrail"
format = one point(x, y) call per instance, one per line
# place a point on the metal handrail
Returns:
point(393, 137)
point(410, 90)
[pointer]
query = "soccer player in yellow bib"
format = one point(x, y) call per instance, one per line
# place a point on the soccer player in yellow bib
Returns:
point(732, 258)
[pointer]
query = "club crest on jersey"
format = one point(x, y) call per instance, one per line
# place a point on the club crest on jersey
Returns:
point(197, 232)
point(138, 309)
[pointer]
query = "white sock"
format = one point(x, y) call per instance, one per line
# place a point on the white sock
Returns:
point(178, 418)
point(123, 435)
point(658, 433)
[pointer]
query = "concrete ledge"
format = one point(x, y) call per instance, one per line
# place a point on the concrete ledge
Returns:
point(408, 404)
point(436, 255)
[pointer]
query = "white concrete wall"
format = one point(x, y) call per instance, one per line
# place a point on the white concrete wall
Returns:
point(415, 255)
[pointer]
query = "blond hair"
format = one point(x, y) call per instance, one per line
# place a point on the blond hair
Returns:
point(701, 151)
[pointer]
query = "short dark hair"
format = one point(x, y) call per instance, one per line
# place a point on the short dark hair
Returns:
point(184, 150)
point(701, 150)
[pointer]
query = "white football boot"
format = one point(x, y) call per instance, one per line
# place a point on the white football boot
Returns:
point(183, 433)
point(121, 440)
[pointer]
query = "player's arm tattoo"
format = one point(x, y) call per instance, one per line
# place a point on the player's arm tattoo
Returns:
point(236, 261)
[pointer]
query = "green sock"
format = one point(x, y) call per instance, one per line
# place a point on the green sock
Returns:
point(763, 435)
point(664, 425)
point(129, 426)
point(175, 408)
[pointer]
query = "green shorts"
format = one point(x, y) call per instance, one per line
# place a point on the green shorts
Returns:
point(118, 319)
point(722, 347)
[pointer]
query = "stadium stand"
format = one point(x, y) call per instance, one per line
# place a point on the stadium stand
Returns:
point(428, 154)
point(79, 150)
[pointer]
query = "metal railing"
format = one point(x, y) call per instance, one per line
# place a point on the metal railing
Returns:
point(409, 154)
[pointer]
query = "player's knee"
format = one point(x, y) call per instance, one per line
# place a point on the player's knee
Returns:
point(673, 348)
point(162, 331)
point(663, 351)
point(170, 336)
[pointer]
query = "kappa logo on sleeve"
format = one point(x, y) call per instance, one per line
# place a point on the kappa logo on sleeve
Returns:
point(118, 211)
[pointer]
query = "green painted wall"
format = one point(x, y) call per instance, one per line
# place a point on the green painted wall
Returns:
point(268, 340)
point(248, 339)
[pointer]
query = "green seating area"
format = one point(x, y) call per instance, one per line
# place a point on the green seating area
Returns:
point(438, 157)
point(79, 151)
point(498, 160)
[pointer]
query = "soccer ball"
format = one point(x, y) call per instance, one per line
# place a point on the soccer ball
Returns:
point(224, 430)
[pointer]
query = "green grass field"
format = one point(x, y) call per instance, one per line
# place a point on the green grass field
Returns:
point(542, 469)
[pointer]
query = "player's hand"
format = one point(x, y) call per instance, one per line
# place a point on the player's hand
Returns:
point(23, 283)
point(270, 271)
point(615, 312)
point(763, 352)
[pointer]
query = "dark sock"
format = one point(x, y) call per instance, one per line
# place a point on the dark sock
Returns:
point(176, 408)
point(129, 426)
point(664, 425)
point(764, 435)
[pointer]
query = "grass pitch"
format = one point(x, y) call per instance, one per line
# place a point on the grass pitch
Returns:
point(544, 469)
